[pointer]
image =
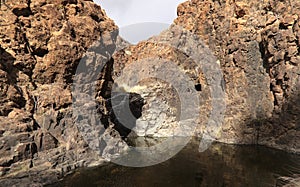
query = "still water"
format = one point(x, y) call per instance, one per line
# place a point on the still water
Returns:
point(219, 166)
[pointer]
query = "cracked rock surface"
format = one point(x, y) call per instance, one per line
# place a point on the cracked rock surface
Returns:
point(41, 44)
point(257, 46)
point(254, 44)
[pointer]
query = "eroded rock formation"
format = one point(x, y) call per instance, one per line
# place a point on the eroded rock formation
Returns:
point(257, 46)
point(41, 45)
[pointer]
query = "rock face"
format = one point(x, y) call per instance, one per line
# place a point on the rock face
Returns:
point(257, 46)
point(41, 44)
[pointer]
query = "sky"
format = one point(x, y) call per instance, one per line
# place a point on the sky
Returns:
point(140, 19)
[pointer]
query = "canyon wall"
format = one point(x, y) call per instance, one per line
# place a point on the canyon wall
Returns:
point(42, 43)
point(257, 43)
point(257, 47)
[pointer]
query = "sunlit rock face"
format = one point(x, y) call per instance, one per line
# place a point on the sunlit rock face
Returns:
point(254, 44)
point(257, 47)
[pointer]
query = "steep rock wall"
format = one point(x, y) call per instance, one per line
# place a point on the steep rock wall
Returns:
point(255, 34)
point(41, 44)
point(257, 45)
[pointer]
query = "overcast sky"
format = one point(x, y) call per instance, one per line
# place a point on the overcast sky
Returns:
point(139, 19)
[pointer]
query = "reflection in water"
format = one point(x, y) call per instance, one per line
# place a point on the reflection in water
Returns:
point(219, 166)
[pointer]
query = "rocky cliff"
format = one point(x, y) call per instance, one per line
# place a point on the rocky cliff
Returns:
point(257, 46)
point(42, 43)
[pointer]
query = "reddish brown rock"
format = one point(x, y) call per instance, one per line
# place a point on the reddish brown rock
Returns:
point(245, 34)
point(258, 49)
point(41, 44)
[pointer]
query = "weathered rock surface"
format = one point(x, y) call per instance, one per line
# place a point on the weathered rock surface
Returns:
point(257, 46)
point(41, 45)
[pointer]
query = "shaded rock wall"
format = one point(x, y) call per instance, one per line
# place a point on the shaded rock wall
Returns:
point(41, 44)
